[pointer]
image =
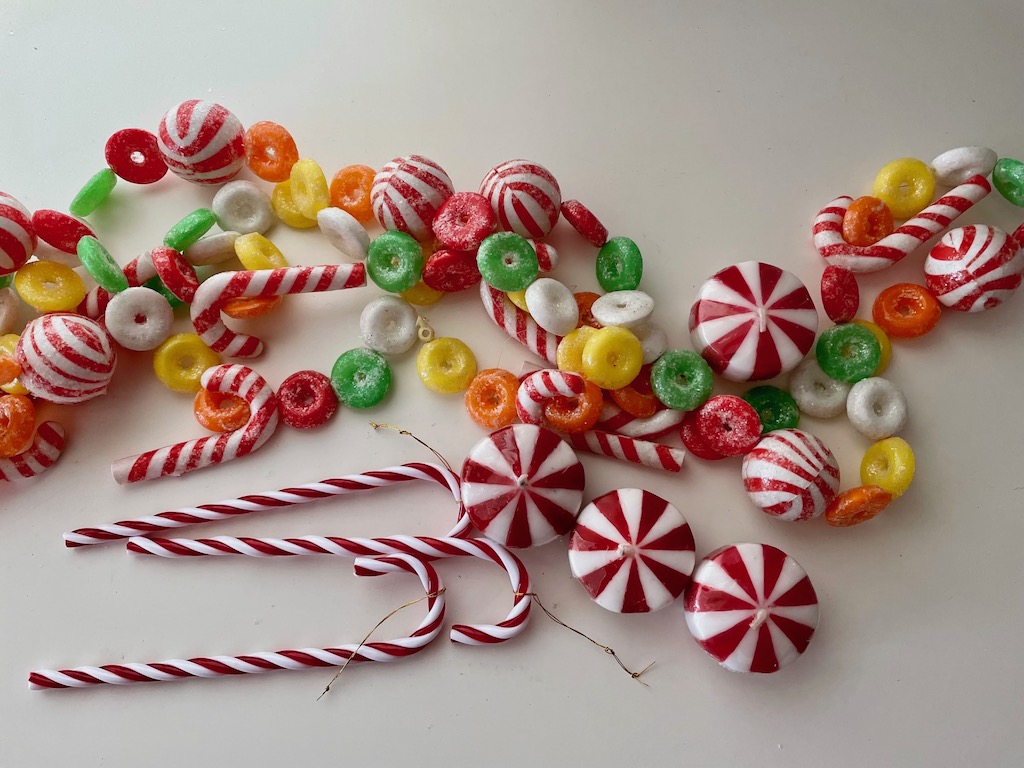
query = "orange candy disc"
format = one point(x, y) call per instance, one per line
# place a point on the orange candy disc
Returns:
point(17, 424)
point(585, 300)
point(575, 414)
point(491, 398)
point(857, 505)
point(270, 151)
point(906, 310)
point(867, 221)
point(637, 399)
point(9, 369)
point(220, 411)
point(350, 191)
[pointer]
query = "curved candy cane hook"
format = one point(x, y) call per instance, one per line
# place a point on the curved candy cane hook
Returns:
point(518, 324)
point(46, 448)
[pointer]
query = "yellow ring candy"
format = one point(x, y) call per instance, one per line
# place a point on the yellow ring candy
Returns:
point(612, 357)
point(180, 361)
point(906, 186)
point(569, 355)
point(422, 295)
point(446, 365)
point(7, 344)
point(518, 298)
point(257, 252)
point(286, 209)
point(889, 464)
point(49, 286)
point(309, 188)
point(883, 342)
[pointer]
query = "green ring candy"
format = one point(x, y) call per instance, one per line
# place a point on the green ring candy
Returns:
point(1008, 178)
point(848, 352)
point(361, 378)
point(682, 380)
point(776, 408)
point(101, 265)
point(507, 262)
point(188, 231)
point(96, 190)
point(395, 261)
point(619, 265)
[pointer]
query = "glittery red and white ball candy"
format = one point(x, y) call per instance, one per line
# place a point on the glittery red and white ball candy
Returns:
point(525, 197)
point(522, 486)
point(202, 142)
point(17, 236)
point(790, 474)
point(752, 607)
point(65, 358)
point(632, 551)
point(406, 194)
point(974, 268)
point(753, 321)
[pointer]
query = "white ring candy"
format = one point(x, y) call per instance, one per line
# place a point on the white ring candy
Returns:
point(552, 306)
point(243, 207)
point(877, 408)
point(388, 325)
point(955, 166)
point(344, 232)
point(138, 318)
point(212, 249)
point(625, 309)
point(653, 341)
point(816, 393)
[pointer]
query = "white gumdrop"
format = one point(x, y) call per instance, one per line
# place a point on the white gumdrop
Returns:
point(955, 166)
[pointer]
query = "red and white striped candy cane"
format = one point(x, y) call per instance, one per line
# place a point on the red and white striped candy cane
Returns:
point(268, 661)
point(518, 324)
point(46, 448)
point(262, 283)
point(202, 452)
point(828, 229)
point(268, 500)
point(541, 387)
point(614, 419)
point(642, 452)
point(423, 547)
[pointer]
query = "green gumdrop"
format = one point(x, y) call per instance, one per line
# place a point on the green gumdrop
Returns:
point(1008, 178)
point(96, 190)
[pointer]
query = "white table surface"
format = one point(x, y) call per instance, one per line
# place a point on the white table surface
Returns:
point(711, 134)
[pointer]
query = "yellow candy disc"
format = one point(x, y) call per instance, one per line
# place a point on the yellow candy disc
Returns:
point(49, 286)
point(286, 208)
point(889, 464)
point(883, 342)
point(906, 186)
point(569, 356)
point(518, 298)
point(422, 295)
point(309, 188)
point(7, 344)
point(612, 357)
point(446, 365)
point(257, 252)
point(180, 361)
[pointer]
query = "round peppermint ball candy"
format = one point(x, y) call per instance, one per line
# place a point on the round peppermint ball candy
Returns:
point(65, 358)
point(202, 142)
point(17, 235)
point(974, 268)
point(791, 475)
point(407, 193)
point(525, 197)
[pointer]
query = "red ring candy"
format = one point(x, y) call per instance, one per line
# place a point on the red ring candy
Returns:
point(729, 424)
point(451, 271)
point(175, 273)
point(840, 295)
point(464, 220)
point(694, 441)
point(306, 400)
point(585, 222)
point(134, 155)
point(61, 230)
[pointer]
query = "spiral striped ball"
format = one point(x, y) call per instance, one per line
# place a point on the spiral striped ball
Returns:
point(202, 142)
point(525, 197)
point(65, 358)
point(17, 236)
point(406, 194)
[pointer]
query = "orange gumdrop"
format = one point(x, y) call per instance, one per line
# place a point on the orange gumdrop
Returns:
point(246, 308)
point(575, 414)
point(906, 310)
point(857, 505)
point(270, 151)
point(867, 221)
point(491, 398)
point(17, 424)
point(220, 411)
point(350, 191)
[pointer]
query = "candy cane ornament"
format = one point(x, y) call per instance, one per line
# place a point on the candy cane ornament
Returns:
point(206, 451)
point(828, 229)
point(263, 283)
point(423, 547)
point(541, 387)
point(518, 324)
point(270, 500)
point(269, 661)
point(629, 449)
point(46, 448)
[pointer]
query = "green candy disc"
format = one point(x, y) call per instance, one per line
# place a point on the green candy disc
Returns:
point(1008, 178)
point(682, 380)
point(395, 261)
point(361, 378)
point(96, 190)
point(188, 231)
point(848, 352)
point(619, 265)
point(775, 407)
point(507, 262)
point(101, 265)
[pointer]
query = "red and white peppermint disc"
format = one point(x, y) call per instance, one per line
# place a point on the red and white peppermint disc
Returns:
point(632, 551)
point(525, 197)
point(974, 268)
point(752, 607)
point(407, 193)
point(790, 474)
point(753, 321)
point(202, 142)
point(522, 486)
point(65, 358)
point(17, 235)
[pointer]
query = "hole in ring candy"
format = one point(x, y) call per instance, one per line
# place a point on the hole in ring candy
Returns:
point(632, 551)
point(889, 464)
point(134, 155)
point(242, 207)
point(395, 261)
point(612, 357)
point(361, 378)
point(138, 318)
point(816, 393)
point(350, 191)
point(729, 424)
point(876, 408)
point(906, 186)
point(446, 365)
point(682, 379)
point(491, 398)
point(791, 474)
point(306, 399)
point(270, 151)
point(522, 486)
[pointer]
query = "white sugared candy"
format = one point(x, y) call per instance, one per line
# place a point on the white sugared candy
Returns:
point(10, 306)
point(243, 207)
point(653, 341)
point(816, 393)
point(388, 325)
point(877, 408)
point(955, 166)
point(552, 306)
point(974, 268)
point(626, 309)
point(139, 319)
point(344, 232)
point(212, 249)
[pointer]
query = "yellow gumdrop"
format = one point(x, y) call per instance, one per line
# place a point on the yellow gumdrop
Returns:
point(883, 342)
point(889, 464)
point(49, 286)
point(7, 344)
point(906, 186)
point(569, 356)
point(612, 357)
point(180, 361)
point(286, 208)
point(309, 187)
point(446, 365)
point(257, 252)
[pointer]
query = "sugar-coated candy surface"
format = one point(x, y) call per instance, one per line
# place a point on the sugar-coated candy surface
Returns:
point(632, 551)
point(525, 197)
point(93, 193)
point(175, 273)
point(270, 151)
point(906, 311)
point(388, 325)
point(179, 363)
point(309, 187)
point(361, 378)
point(407, 194)
point(134, 155)
point(612, 357)
point(729, 424)
point(451, 271)
point(394, 261)
point(350, 191)
point(491, 398)
point(220, 411)
point(637, 398)
point(848, 352)
point(653, 340)
point(138, 318)
point(955, 166)
point(212, 249)
point(576, 414)
point(522, 486)
point(753, 321)
point(507, 262)
point(1008, 179)
point(682, 379)
point(585, 222)
point(552, 305)
point(100, 265)
point(867, 221)
point(776, 408)
point(906, 186)
point(17, 424)
point(751, 607)
point(877, 408)
point(61, 230)
point(190, 229)
point(627, 309)
point(65, 358)
point(464, 220)
point(343, 232)
point(883, 344)
point(857, 505)
point(446, 365)
point(284, 205)
point(974, 268)
point(547, 256)
point(306, 400)
point(202, 142)
point(17, 235)
point(694, 441)
point(840, 296)
point(619, 265)
point(889, 464)
point(242, 207)
point(47, 286)
point(569, 356)
point(791, 474)
point(42, 453)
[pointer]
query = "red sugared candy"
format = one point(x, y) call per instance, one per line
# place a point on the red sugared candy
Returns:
point(585, 222)
point(840, 295)
point(694, 441)
point(306, 400)
point(134, 155)
point(729, 425)
point(202, 142)
point(463, 221)
point(17, 235)
point(451, 271)
point(61, 230)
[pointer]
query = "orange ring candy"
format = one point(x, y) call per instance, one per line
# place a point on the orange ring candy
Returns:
point(220, 411)
point(248, 307)
point(350, 191)
point(857, 505)
point(9, 369)
point(867, 220)
point(270, 151)
point(906, 310)
point(575, 414)
point(491, 398)
point(17, 424)
point(585, 300)
point(637, 398)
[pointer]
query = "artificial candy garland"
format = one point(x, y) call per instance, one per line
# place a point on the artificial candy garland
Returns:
point(612, 386)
